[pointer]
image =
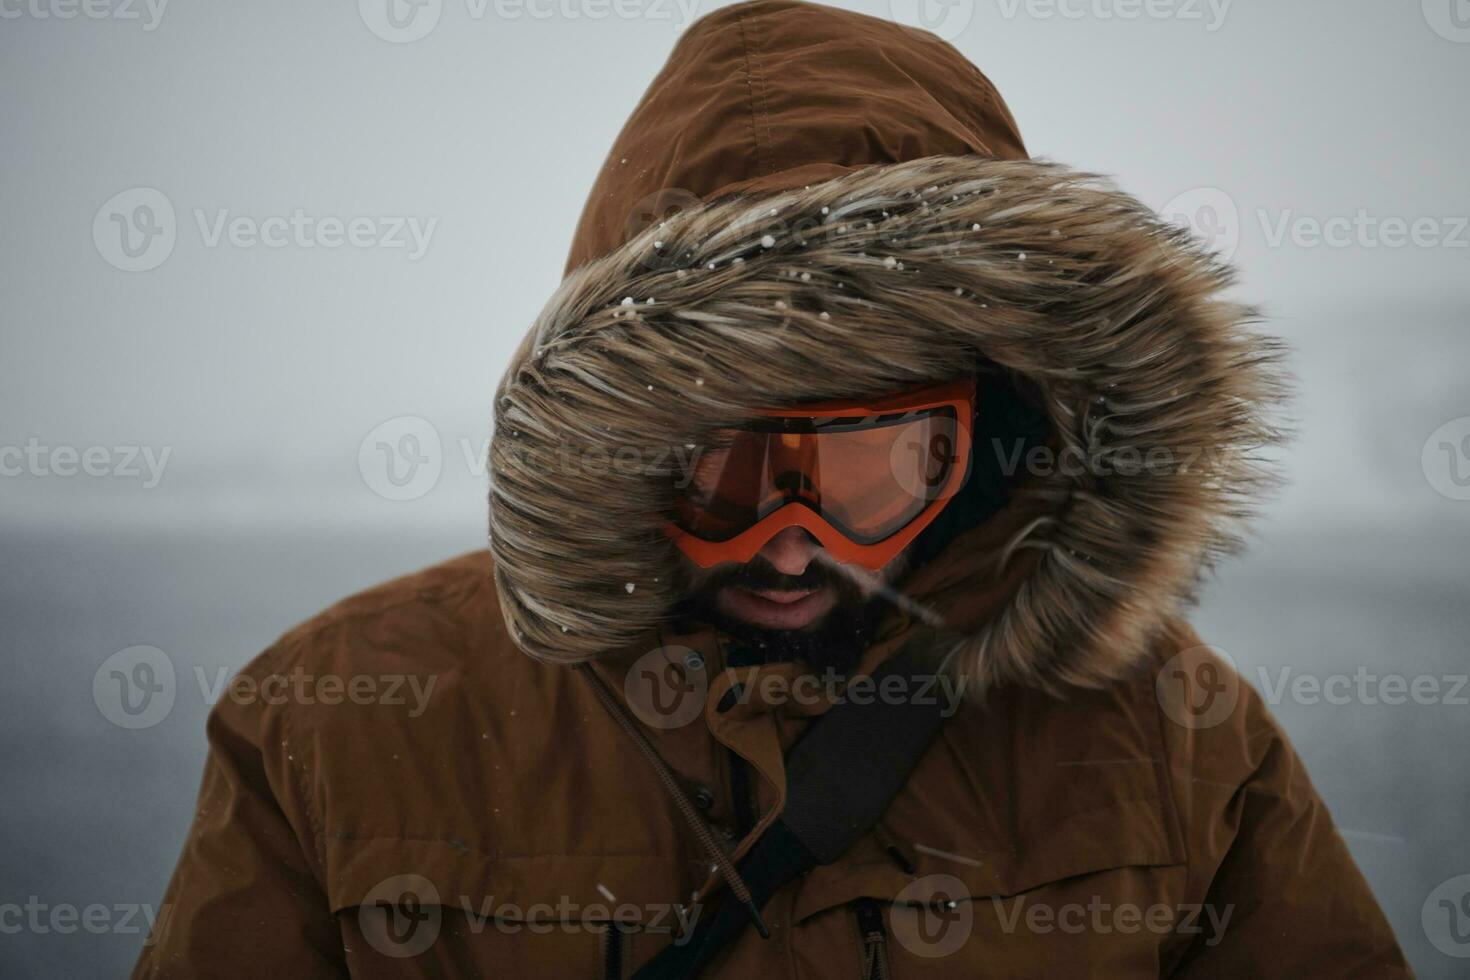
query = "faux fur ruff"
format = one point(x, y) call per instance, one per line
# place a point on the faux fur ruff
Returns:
point(881, 280)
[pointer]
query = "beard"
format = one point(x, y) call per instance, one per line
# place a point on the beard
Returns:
point(835, 641)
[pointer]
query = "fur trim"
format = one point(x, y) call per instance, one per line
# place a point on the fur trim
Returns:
point(882, 279)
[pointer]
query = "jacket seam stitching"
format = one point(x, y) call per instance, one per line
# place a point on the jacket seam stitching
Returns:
point(765, 113)
point(298, 777)
point(272, 658)
point(1176, 821)
point(750, 72)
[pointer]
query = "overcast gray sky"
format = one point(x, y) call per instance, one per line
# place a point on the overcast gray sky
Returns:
point(260, 370)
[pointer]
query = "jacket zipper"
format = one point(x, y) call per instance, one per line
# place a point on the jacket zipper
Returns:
point(875, 939)
point(612, 952)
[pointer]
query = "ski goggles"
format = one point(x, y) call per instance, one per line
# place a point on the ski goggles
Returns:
point(864, 478)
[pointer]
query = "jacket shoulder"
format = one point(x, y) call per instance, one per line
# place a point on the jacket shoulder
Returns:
point(1217, 728)
point(428, 619)
point(386, 712)
point(460, 585)
point(382, 658)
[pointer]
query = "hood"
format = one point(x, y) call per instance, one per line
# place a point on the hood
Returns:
point(812, 204)
point(775, 95)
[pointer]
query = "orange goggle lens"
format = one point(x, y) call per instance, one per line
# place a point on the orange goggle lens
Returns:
point(871, 472)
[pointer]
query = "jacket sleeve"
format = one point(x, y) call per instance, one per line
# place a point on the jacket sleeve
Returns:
point(244, 900)
point(1281, 895)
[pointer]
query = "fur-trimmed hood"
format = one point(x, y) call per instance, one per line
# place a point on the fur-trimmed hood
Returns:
point(857, 215)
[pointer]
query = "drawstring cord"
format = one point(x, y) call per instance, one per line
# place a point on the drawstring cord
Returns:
point(701, 829)
point(891, 847)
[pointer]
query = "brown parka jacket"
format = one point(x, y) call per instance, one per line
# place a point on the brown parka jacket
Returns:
point(807, 204)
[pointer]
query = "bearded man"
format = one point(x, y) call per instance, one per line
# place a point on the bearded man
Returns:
point(842, 519)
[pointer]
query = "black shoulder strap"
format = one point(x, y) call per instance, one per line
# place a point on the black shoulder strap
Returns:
point(839, 779)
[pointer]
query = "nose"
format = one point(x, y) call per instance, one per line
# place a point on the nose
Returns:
point(790, 551)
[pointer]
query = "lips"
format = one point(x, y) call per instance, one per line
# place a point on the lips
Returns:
point(778, 609)
point(783, 597)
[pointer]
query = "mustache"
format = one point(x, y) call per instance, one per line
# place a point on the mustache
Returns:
point(759, 575)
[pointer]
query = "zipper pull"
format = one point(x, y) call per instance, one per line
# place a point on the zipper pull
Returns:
point(875, 938)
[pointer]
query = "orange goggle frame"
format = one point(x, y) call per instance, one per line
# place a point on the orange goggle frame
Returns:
point(863, 477)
